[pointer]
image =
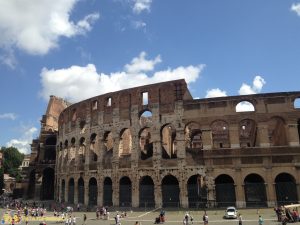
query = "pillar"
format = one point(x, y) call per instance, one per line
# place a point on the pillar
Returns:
point(293, 135)
point(207, 139)
point(239, 190)
point(234, 136)
point(76, 190)
point(263, 135)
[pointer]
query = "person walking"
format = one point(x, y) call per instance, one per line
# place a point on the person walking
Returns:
point(205, 218)
point(84, 219)
point(260, 220)
point(240, 219)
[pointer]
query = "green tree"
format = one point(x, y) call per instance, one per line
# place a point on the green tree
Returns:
point(1, 180)
point(12, 159)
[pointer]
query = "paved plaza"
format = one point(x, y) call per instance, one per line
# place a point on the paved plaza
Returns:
point(250, 216)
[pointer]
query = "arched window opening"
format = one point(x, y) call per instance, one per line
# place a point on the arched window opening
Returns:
point(146, 192)
point(66, 143)
point(297, 103)
point(220, 134)
point(146, 118)
point(74, 115)
point(255, 191)
point(193, 136)
point(197, 192)
point(170, 191)
point(73, 141)
point(71, 191)
point(168, 138)
point(94, 105)
point(47, 189)
point(247, 129)
point(81, 190)
point(93, 148)
point(81, 152)
point(125, 145)
point(145, 100)
point(108, 149)
point(225, 191)
point(286, 189)
point(244, 106)
point(107, 192)
point(93, 192)
point(125, 192)
point(276, 131)
point(146, 144)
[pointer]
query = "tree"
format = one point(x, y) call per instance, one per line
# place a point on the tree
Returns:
point(12, 159)
point(1, 180)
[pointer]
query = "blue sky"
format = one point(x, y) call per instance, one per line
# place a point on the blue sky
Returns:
point(77, 49)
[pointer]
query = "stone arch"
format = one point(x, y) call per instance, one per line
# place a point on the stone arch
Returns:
point(146, 192)
point(108, 142)
point(146, 118)
point(107, 192)
point(197, 191)
point(247, 133)
point(125, 191)
point(193, 136)
point(81, 190)
point(277, 132)
point(146, 144)
point(66, 144)
point(73, 141)
point(220, 134)
point(297, 103)
point(93, 191)
point(62, 190)
point(170, 191)
point(168, 140)
point(255, 191)
point(31, 185)
point(47, 189)
point(125, 146)
point(286, 189)
point(245, 106)
point(81, 151)
point(93, 148)
point(225, 191)
point(71, 191)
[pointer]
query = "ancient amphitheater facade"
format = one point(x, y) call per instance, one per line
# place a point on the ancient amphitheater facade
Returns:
point(156, 146)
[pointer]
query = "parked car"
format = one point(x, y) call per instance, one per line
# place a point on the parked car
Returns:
point(231, 213)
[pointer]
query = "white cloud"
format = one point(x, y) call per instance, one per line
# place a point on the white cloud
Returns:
point(296, 8)
point(23, 143)
point(8, 58)
point(140, 64)
point(215, 92)
point(244, 107)
point(35, 26)
point(141, 5)
point(138, 24)
point(77, 83)
point(10, 116)
point(257, 85)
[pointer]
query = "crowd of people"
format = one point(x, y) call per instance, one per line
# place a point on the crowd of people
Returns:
point(286, 214)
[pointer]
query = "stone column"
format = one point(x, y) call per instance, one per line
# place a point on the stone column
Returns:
point(183, 190)
point(180, 147)
point(234, 136)
point(87, 155)
point(86, 191)
point(293, 135)
point(67, 190)
point(116, 189)
point(100, 191)
point(157, 194)
point(239, 190)
point(270, 188)
point(263, 135)
point(135, 190)
point(207, 138)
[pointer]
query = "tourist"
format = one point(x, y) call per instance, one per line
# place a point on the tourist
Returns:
point(260, 220)
point(240, 219)
point(205, 218)
point(13, 221)
point(137, 223)
point(84, 219)
point(117, 219)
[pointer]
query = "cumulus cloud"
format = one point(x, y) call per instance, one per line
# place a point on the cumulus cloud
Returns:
point(141, 5)
point(77, 83)
point(257, 85)
point(10, 116)
point(35, 26)
point(215, 92)
point(296, 8)
point(23, 143)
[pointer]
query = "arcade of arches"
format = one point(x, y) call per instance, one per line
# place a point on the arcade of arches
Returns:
point(193, 194)
point(157, 146)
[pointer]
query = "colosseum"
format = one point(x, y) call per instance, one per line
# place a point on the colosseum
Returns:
point(156, 146)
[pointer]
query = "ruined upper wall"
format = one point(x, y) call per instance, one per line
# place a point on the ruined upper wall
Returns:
point(55, 106)
point(271, 103)
point(164, 94)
